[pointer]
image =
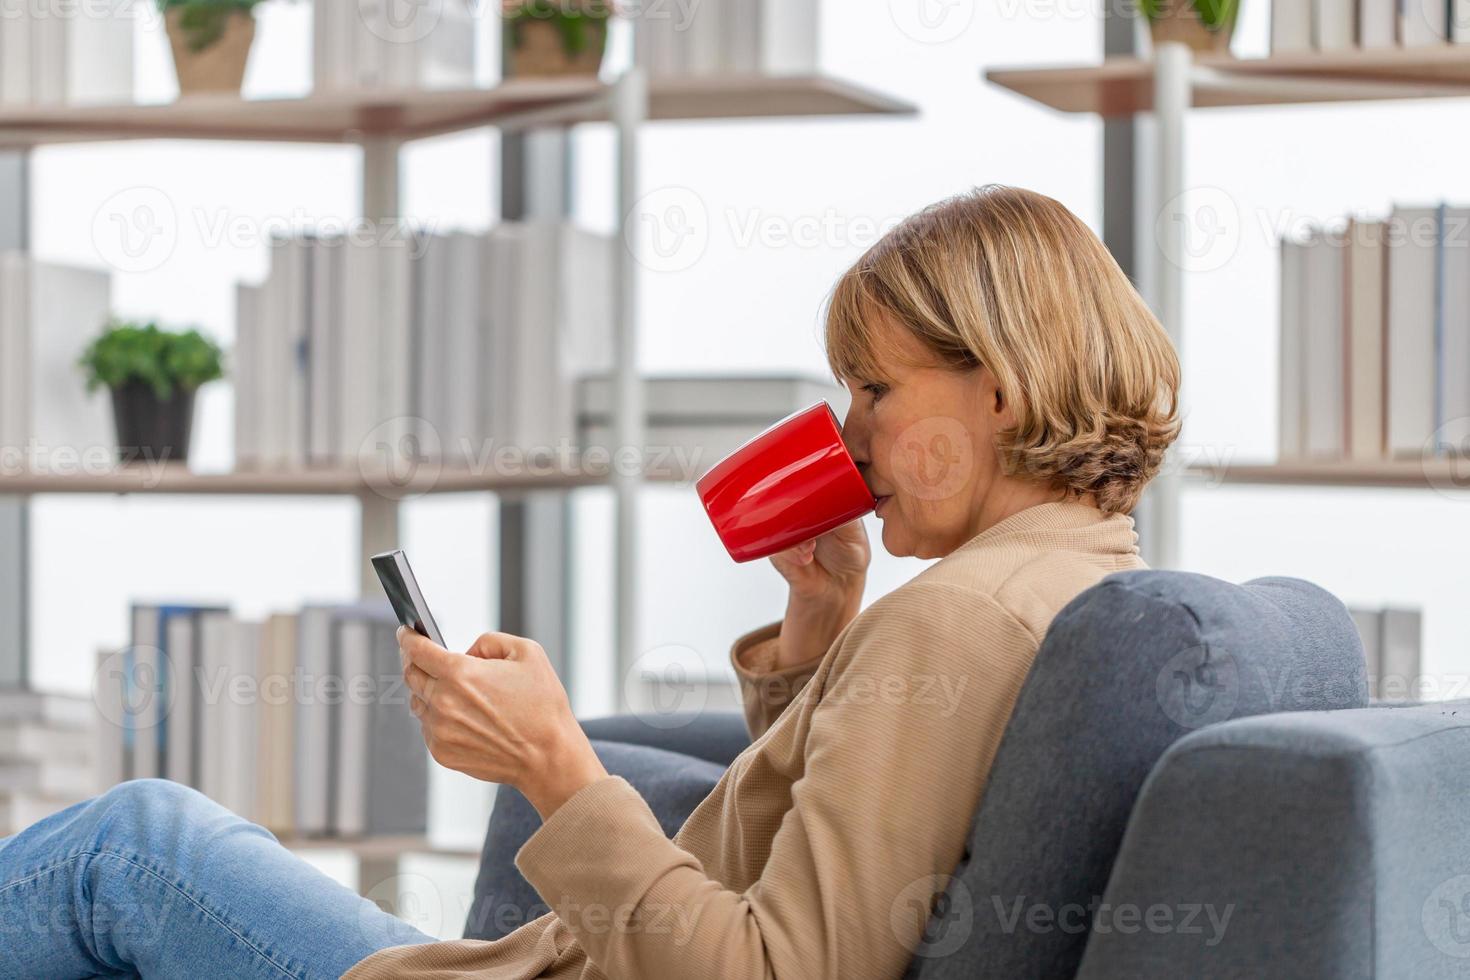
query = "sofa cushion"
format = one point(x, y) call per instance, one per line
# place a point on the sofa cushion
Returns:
point(1323, 844)
point(1127, 668)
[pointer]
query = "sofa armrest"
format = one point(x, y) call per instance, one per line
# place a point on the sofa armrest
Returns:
point(672, 783)
point(714, 736)
point(1311, 844)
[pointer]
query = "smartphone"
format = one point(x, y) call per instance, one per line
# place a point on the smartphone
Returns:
point(403, 593)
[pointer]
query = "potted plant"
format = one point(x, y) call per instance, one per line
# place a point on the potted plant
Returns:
point(152, 375)
point(554, 37)
point(211, 42)
point(1206, 26)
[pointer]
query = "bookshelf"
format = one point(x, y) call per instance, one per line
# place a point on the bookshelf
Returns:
point(1167, 86)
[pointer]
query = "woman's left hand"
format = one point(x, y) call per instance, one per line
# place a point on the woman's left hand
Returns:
point(499, 713)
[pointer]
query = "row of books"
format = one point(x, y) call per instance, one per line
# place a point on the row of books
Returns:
point(388, 44)
point(428, 345)
point(1334, 25)
point(299, 722)
point(57, 53)
point(47, 751)
point(1375, 337)
point(714, 37)
point(1392, 647)
point(48, 314)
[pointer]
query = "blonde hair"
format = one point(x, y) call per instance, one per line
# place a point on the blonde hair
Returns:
point(1012, 280)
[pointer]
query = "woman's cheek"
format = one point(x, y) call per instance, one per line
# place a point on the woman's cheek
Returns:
point(932, 459)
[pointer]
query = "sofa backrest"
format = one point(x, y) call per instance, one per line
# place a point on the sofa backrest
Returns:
point(1127, 668)
point(1323, 844)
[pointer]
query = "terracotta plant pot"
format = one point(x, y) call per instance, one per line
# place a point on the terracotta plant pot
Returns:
point(534, 47)
point(1179, 21)
point(218, 67)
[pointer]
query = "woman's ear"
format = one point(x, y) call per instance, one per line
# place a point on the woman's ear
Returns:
point(998, 407)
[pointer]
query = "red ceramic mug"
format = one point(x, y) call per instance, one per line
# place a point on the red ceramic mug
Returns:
point(792, 482)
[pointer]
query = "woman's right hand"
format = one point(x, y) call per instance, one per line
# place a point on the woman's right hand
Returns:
point(826, 575)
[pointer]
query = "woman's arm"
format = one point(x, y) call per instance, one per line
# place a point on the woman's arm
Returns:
point(897, 753)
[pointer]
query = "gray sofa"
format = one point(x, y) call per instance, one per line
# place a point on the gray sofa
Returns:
point(1192, 784)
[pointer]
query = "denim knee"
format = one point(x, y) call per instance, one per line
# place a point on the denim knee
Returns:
point(153, 805)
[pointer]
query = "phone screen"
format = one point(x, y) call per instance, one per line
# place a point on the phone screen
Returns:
point(404, 595)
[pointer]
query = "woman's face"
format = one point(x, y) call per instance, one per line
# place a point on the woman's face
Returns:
point(924, 440)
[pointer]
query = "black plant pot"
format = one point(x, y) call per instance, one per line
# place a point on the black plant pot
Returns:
point(151, 428)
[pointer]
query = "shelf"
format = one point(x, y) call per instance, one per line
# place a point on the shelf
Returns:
point(177, 479)
point(353, 116)
point(378, 848)
point(1441, 474)
point(1121, 86)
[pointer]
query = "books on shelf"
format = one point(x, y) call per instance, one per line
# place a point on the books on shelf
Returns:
point(1340, 25)
point(47, 763)
point(1392, 649)
point(51, 54)
point(48, 315)
point(714, 37)
point(299, 722)
point(368, 44)
point(408, 343)
point(1375, 338)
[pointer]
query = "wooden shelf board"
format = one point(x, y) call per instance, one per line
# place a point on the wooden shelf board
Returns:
point(1121, 86)
point(377, 848)
point(174, 478)
point(348, 117)
point(1441, 474)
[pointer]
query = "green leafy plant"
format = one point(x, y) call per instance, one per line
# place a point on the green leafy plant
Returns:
point(1214, 14)
point(204, 21)
point(578, 23)
point(161, 359)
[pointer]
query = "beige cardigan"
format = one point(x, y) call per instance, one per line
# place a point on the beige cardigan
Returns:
point(845, 815)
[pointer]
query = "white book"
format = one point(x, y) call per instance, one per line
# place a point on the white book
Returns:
point(248, 372)
point(108, 694)
point(313, 721)
point(1402, 670)
point(144, 679)
point(1377, 23)
point(15, 61)
point(100, 56)
point(709, 52)
point(1365, 340)
point(429, 350)
point(68, 308)
point(353, 722)
point(181, 765)
point(1323, 351)
point(586, 317)
point(241, 714)
point(1422, 22)
point(461, 381)
point(393, 406)
point(275, 772)
point(1334, 24)
point(274, 311)
point(503, 283)
point(216, 664)
point(49, 68)
point(1411, 281)
point(1454, 339)
point(294, 259)
point(324, 359)
point(360, 336)
point(789, 37)
point(536, 338)
point(742, 27)
point(1292, 361)
point(1459, 27)
point(1291, 26)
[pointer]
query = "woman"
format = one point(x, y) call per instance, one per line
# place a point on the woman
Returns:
point(1011, 397)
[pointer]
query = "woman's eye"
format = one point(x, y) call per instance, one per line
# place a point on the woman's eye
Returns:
point(874, 389)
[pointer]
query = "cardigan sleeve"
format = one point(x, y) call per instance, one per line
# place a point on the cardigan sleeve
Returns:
point(765, 690)
point(900, 742)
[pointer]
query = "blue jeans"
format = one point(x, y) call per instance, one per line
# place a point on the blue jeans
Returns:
point(153, 879)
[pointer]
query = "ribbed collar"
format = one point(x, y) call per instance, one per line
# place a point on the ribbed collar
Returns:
point(1060, 515)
